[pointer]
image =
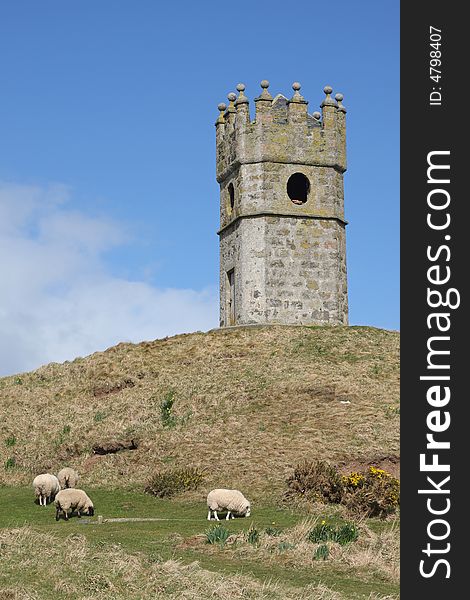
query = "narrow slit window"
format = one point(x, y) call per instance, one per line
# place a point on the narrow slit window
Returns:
point(231, 198)
point(231, 297)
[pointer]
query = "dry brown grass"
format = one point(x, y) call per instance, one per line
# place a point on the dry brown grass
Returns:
point(53, 567)
point(376, 553)
point(250, 403)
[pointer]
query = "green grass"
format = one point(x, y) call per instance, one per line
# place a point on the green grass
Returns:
point(164, 540)
point(185, 518)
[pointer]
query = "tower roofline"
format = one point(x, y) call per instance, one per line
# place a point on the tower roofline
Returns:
point(282, 131)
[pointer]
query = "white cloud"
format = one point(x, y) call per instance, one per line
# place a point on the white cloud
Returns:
point(57, 298)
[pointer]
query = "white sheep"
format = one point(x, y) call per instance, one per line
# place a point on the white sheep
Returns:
point(232, 501)
point(72, 499)
point(68, 478)
point(45, 487)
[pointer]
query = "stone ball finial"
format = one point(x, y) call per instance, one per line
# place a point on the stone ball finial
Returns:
point(240, 87)
point(264, 84)
point(316, 115)
point(339, 98)
point(232, 96)
point(222, 106)
point(296, 86)
point(327, 89)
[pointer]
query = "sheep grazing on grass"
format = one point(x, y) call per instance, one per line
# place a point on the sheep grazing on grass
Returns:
point(45, 487)
point(70, 500)
point(232, 501)
point(68, 478)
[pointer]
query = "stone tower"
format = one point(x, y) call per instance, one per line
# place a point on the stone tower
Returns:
point(282, 228)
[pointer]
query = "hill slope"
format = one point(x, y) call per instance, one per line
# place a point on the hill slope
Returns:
point(249, 403)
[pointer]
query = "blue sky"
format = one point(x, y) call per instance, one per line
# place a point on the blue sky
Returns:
point(108, 198)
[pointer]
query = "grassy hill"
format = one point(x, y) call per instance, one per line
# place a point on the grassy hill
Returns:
point(244, 404)
point(248, 404)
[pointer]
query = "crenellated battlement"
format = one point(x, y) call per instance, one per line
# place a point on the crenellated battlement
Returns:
point(282, 131)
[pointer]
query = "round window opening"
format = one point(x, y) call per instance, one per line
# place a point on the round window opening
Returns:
point(231, 198)
point(298, 187)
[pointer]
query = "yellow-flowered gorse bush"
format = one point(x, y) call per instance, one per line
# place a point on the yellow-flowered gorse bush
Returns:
point(373, 492)
point(353, 480)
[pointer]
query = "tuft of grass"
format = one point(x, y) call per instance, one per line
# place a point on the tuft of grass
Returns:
point(376, 370)
point(217, 534)
point(346, 534)
point(392, 411)
point(10, 441)
point(166, 410)
point(273, 531)
point(322, 552)
point(10, 463)
point(99, 416)
point(62, 436)
point(252, 535)
point(284, 545)
point(343, 534)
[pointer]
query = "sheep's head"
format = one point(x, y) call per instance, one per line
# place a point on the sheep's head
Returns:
point(247, 510)
point(91, 511)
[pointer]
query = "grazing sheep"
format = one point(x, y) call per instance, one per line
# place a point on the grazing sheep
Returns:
point(232, 501)
point(45, 487)
point(72, 499)
point(68, 478)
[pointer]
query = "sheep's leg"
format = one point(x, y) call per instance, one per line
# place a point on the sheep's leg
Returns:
point(57, 513)
point(66, 515)
point(209, 515)
point(228, 516)
point(233, 516)
point(78, 514)
point(215, 515)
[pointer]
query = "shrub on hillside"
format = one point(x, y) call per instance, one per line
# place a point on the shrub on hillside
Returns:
point(164, 484)
point(373, 493)
point(317, 481)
